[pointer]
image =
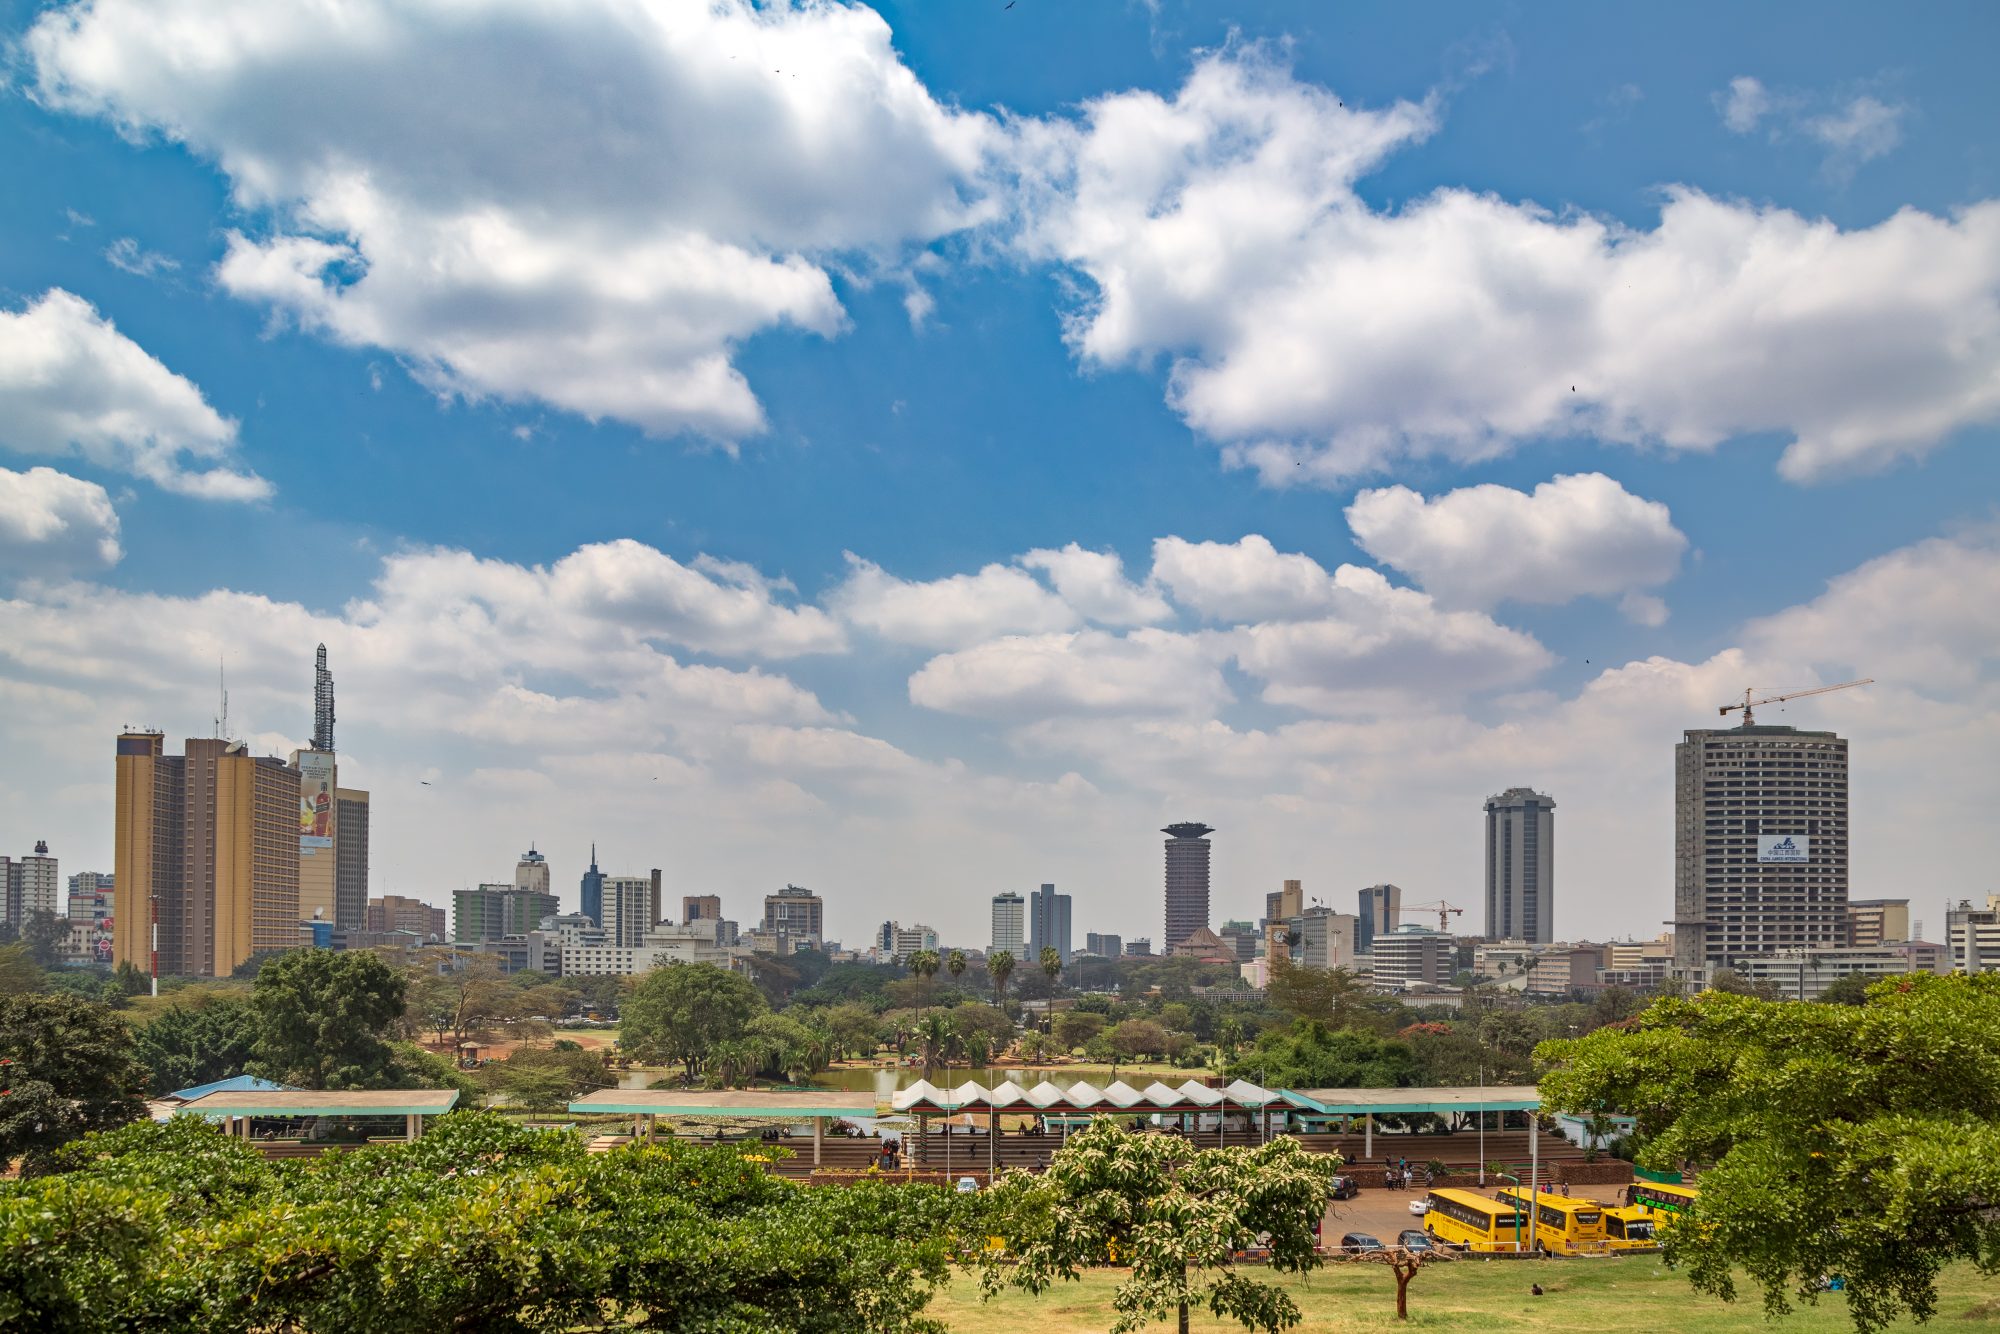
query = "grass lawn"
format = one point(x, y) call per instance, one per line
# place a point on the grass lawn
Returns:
point(1634, 1295)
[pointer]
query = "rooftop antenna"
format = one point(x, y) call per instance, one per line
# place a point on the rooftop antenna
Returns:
point(222, 691)
point(322, 703)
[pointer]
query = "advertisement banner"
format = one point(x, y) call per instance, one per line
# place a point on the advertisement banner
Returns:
point(1784, 849)
point(315, 800)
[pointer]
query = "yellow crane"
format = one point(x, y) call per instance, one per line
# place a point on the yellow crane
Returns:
point(1749, 702)
point(1444, 911)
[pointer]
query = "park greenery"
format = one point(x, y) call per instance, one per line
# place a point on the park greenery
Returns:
point(1852, 1141)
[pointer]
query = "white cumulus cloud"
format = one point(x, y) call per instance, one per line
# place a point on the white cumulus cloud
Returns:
point(1022, 677)
point(1575, 536)
point(70, 383)
point(1094, 583)
point(588, 203)
point(52, 523)
point(1316, 337)
point(951, 612)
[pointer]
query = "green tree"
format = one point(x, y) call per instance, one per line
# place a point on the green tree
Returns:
point(1052, 969)
point(1177, 1215)
point(66, 1069)
point(683, 1011)
point(454, 995)
point(1857, 1140)
point(1076, 1027)
point(323, 1017)
point(1000, 964)
point(190, 1044)
point(1136, 1038)
point(1849, 990)
point(19, 973)
point(43, 933)
point(546, 1078)
point(855, 1028)
point(1311, 1056)
point(1329, 995)
point(923, 966)
point(955, 965)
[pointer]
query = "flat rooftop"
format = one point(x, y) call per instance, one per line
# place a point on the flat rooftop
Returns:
point(730, 1102)
point(311, 1102)
point(1464, 1098)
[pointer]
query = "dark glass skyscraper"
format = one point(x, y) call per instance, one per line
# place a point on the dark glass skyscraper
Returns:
point(1187, 880)
point(593, 891)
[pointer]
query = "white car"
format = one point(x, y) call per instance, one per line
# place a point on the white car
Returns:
point(1420, 1207)
point(967, 1186)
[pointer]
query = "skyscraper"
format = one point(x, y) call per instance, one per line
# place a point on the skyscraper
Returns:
point(532, 871)
point(1048, 922)
point(32, 886)
point(798, 912)
point(1187, 880)
point(208, 840)
point(350, 859)
point(494, 912)
point(627, 910)
point(1521, 866)
point(1760, 843)
point(593, 890)
point(1280, 907)
point(1010, 925)
point(701, 907)
point(1381, 906)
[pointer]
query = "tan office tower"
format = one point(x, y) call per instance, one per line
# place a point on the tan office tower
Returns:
point(1280, 907)
point(1760, 843)
point(701, 907)
point(209, 841)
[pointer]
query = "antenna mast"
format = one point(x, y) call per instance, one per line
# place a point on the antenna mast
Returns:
point(222, 699)
point(322, 703)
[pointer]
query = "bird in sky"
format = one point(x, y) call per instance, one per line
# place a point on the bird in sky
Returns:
point(424, 781)
point(1009, 5)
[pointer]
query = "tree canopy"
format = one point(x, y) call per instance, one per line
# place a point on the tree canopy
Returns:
point(683, 1012)
point(190, 1044)
point(1177, 1215)
point(1309, 1055)
point(1851, 1140)
point(66, 1068)
point(321, 1017)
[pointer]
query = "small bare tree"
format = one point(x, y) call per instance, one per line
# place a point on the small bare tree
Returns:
point(1404, 1264)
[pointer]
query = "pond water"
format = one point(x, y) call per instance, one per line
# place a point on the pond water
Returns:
point(884, 1082)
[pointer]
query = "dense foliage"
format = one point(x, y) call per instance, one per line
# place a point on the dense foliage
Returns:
point(323, 1017)
point(1179, 1216)
point(477, 1226)
point(685, 1012)
point(66, 1068)
point(1309, 1055)
point(198, 1043)
point(1861, 1141)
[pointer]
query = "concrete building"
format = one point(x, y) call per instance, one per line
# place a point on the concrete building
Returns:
point(897, 942)
point(1103, 944)
point(1521, 866)
point(1806, 974)
point(593, 890)
point(1760, 843)
point(1139, 947)
point(1048, 923)
point(1413, 956)
point(1325, 938)
point(350, 857)
point(1010, 925)
point(628, 913)
point(209, 842)
point(395, 912)
point(1569, 970)
point(1280, 907)
point(1381, 910)
point(532, 872)
point(1972, 937)
point(33, 885)
point(92, 898)
point(1187, 880)
point(796, 913)
point(1872, 922)
point(701, 907)
point(493, 912)
point(1245, 936)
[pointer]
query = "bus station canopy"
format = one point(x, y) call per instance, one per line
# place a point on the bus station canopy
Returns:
point(799, 1106)
point(1442, 1101)
point(925, 1097)
point(315, 1102)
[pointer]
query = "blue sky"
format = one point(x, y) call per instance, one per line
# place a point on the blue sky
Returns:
point(990, 282)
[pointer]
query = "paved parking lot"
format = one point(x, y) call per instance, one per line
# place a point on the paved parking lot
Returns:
point(1380, 1213)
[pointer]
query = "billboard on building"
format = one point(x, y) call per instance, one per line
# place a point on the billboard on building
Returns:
point(1784, 849)
point(316, 801)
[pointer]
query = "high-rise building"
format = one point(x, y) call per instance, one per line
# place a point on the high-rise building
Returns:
point(654, 900)
point(395, 912)
point(1412, 955)
point(1048, 922)
point(1877, 921)
point(350, 858)
point(1244, 938)
point(701, 908)
point(1280, 907)
point(1010, 925)
point(1760, 843)
point(1187, 880)
point(899, 942)
point(593, 890)
point(1103, 945)
point(1972, 937)
point(1381, 906)
point(319, 829)
point(92, 898)
point(798, 913)
point(493, 912)
point(532, 871)
point(627, 910)
point(207, 841)
point(1521, 866)
point(1139, 947)
point(33, 885)
point(1325, 938)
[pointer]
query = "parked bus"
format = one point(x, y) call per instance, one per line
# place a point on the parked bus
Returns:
point(1474, 1223)
point(1662, 1200)
point(1564, 1224)
point(1629, 1228)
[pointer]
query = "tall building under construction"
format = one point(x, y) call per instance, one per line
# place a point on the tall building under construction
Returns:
point(207, 845)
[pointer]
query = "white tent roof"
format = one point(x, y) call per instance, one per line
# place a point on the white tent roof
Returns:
point(1045, 1096)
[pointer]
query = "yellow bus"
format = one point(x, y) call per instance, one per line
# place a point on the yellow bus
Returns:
point(1474, 1223)
point(1564, 1224)
point(1663, 1201)
point(1629, 1228)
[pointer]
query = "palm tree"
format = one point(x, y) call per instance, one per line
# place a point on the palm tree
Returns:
point(924, 965)
point(1052, 965)
point(1000, 963)
point(955, 965)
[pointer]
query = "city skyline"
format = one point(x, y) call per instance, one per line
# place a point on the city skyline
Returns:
point(1008, 507)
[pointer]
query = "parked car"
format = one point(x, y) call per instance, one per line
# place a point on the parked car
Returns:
point(1420, 1207)
point(1345, 1188)
point(1415, 1239)
point(967, 1186)
point(1360, 1243)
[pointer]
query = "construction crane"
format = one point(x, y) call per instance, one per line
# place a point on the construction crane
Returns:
point(1750, 703)
point(1444, 911)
